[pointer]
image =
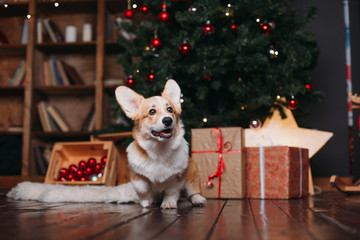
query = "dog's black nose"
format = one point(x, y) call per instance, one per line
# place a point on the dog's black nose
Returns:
point(167, 121)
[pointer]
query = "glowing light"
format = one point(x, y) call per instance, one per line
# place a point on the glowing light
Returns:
point(278, 97)
point(56, 4)
point(28, 16)
point(258, 20)
point(134, 5)
point(205, 120)
point(229, 5)
point(6, 5)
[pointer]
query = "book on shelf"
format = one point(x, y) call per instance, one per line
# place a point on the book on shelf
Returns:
point(58, 76)
point(24, 35)
point(89, 121)
point(52, 30)
point(39, 30)
point(72, 74)
point(55, 115)
point(57, 72)
point(18, 78)
point(65, 78)
point(48, 123)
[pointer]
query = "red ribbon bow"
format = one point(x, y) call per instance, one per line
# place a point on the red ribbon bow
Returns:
point(221, 164)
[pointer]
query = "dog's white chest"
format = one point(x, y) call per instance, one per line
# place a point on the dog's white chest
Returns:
point(160, 165)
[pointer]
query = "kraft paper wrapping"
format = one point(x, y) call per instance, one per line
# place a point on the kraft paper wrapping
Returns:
point(204, 147)
point(283, 174)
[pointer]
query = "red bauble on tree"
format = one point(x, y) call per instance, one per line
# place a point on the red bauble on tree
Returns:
point(151, 76)
point(233, 27)
point(207, 78)
point(293, 103)
point(309, 87)
point(265, 27)
point(208, 29)
point(156, 43)
point(130, 81)
point(185, 49)
point(144, 9)
point(129, 13)
point(164, 15)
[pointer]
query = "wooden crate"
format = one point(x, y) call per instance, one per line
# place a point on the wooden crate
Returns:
point(66, 153)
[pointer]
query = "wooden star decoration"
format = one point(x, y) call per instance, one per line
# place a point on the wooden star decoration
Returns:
point(286, 132)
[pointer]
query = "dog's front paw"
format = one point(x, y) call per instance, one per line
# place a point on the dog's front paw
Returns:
point(169, 204)
point(198, 200)
point(145, 203)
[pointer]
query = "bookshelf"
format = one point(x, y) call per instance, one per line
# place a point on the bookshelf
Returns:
point(93, 60)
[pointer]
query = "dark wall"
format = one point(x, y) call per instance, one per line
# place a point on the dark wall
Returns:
point(330, 77)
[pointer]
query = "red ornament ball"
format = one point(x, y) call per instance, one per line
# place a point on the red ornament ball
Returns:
point(309, 87)
point(144, 9)
point(150, 77)
point(293, 103)
point(92, 161)
point(73, 168)
point(82, 165)
point(185, 49)
point(207, 78)
point(129, 13)
point(130, 82)
point(233, 28)
point(63, 172)
point(265, 27)
point(164, 16)
point(208, 29)
point(156, 43)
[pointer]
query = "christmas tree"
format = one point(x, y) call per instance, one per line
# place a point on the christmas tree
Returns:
point(234, 60)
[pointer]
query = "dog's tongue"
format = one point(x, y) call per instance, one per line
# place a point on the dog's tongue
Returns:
point(165, 133)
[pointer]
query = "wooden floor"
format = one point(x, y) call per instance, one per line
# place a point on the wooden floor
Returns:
point(331, 215)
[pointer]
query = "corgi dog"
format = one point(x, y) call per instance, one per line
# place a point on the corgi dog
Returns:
point(159, 155)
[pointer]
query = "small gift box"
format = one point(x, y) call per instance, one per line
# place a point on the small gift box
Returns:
point(277, 172)
point(219, 156)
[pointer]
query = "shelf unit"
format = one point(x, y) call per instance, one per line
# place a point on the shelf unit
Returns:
point(94, 61)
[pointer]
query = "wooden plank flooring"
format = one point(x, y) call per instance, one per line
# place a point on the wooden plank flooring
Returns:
point(331, 215)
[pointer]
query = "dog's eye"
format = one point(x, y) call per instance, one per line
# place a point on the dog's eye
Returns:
point(169, 109)
point(152, 111)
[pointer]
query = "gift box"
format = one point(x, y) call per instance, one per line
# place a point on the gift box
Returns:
point(276, 172)
point(65, 154)
point(219, 156)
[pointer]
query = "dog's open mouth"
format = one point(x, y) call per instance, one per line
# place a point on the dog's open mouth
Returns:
point(167, 133)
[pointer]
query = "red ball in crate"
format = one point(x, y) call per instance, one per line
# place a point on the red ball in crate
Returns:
point(91, 162)
point(62, 179)
point(97, 168)
point(82, 165)
point(103, 161)
point(73, 168)
point(88, 171)
point(70, 177)
point(63, 172)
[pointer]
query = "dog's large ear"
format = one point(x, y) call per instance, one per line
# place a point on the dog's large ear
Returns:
point(173, 92)
point(129, 101)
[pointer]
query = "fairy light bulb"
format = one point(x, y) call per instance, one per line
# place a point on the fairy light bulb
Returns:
point(6, 5)
point(28, 16)
point(56, 4)
point(205, 119)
